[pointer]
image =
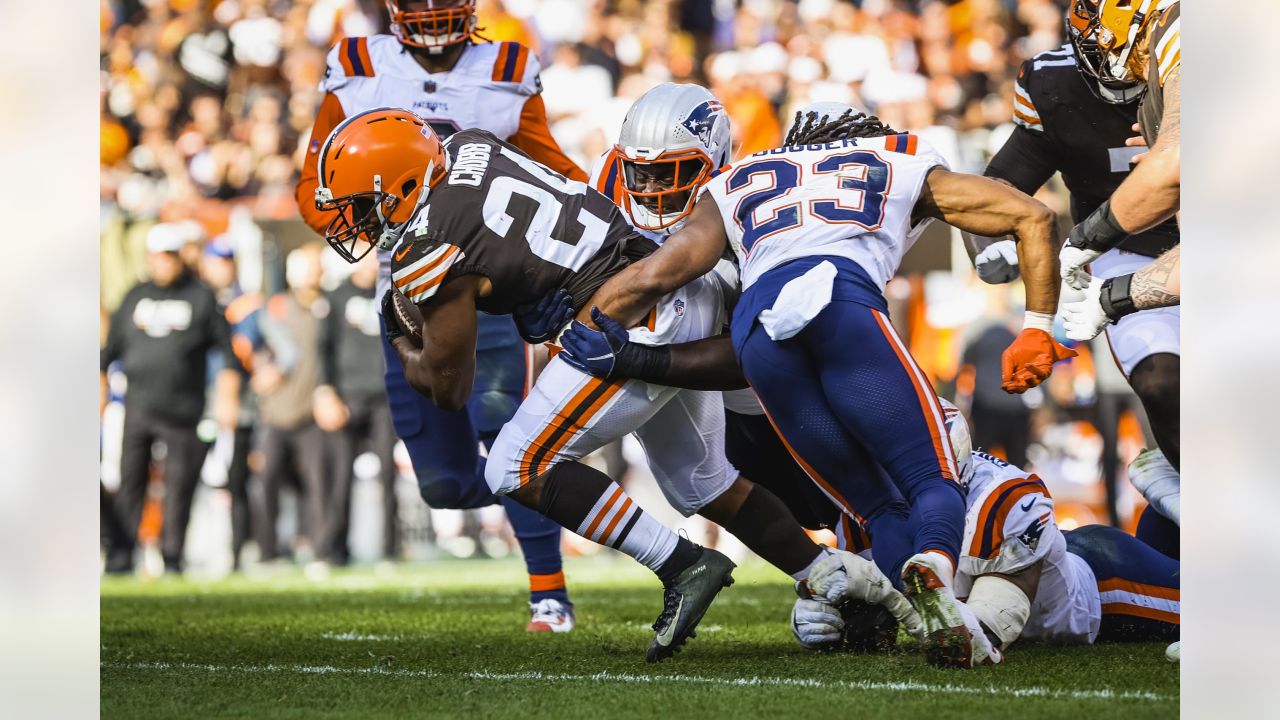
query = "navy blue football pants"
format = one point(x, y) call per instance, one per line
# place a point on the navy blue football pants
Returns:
point(863, 421)
point(1139, 587)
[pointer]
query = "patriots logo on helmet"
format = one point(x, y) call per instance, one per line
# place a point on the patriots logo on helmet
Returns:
point(702, 119)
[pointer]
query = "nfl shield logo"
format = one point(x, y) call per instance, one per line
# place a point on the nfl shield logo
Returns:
point(679, 307)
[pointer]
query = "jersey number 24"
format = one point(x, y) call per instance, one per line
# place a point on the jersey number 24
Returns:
point(765, 212)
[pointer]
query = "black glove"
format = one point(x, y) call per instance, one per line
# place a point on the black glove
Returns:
point(539, 321)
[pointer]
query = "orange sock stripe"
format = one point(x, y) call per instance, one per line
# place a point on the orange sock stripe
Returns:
point(617, 517)
point(1156, 591)
point(808, 469)
point(928, 399)
point(600, 516)
point(546, 583)
point(1142, 612)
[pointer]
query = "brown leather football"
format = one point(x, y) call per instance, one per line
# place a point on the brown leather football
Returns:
point(407, 316)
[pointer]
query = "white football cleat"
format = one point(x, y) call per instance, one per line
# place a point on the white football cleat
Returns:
point(926, 581)
point(550, 615)
point(1173, 653)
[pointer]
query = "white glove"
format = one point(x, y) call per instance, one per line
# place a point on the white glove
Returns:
point(1082, 313)
point(998, 262)
point(1073, 259)
point(984, 653)
point(816, 624)
point(843, 576)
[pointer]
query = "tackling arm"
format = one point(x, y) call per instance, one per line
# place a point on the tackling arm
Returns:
point(986, 207)
point(983, 206)
point(444, 367)
point(686, 255)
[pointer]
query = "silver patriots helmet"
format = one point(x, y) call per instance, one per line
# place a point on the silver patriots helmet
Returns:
point(671, 141)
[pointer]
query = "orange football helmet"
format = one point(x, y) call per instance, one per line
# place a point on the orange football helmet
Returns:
point(443, 23)
point(376, 170)
point(1121, 30)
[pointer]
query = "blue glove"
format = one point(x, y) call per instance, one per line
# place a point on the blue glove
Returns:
point(539, 321)
point(595, 352)
point(610, 354)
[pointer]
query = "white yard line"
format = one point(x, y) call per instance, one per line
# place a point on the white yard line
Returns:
point(631, 678)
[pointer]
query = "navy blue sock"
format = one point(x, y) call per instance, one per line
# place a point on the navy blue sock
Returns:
point(937, 519)
point(892, 540)
point(539, 539)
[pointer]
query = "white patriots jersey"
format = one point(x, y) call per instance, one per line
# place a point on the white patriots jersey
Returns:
point(1009, 526)
point(486, 89)
point(849, 198)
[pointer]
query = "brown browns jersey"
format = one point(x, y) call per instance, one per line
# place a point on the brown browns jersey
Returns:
point(1166, 59)
point(526, 228)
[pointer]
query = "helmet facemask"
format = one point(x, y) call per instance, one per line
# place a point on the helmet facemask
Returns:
point(661, 192)
point(1082, 25)
point(436, 28)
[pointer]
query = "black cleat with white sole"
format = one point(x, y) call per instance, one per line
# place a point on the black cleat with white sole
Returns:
point(686, 599)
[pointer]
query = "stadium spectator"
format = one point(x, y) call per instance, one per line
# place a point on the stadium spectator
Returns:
point(163, 333)
point(351, 404)
point(286, 373)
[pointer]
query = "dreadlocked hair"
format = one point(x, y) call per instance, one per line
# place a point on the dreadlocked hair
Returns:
point(813, 129)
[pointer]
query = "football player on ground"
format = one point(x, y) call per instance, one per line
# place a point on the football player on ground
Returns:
point(433, 64)
point(1072, 116)
point(478, 225)
point(818, 227)
point(1138, 39)
point(1021, 576)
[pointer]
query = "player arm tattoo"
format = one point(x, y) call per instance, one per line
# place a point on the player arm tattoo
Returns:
point(983, 206)
point(686, 255)
point(1152, 192)
point(444, 367)
point(1160, 283)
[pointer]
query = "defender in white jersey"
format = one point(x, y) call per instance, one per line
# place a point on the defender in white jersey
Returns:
point(432, 64)
point(818, 227)
point(1023, 577)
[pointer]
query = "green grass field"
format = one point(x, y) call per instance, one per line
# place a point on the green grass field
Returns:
point(447, 640)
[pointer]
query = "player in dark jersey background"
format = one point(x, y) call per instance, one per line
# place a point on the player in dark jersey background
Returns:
point(1070, 120)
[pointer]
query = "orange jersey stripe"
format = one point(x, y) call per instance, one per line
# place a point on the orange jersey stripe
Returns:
point(362, 50)
point(1025, 117)
point(1142, 612)
point(503, 51)
point(1155, 591)
point(993, 504)
point(345, 59)
point(604, 512)
point(522, 56)
point(912, 141)
point(402, 282)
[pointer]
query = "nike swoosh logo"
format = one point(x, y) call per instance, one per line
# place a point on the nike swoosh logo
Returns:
point(403, 251)
point(665, 637)
point(1027, 507)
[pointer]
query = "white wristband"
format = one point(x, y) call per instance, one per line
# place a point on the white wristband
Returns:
point(1037, 321)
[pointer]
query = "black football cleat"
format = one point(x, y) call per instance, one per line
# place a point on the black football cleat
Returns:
point(686, 599)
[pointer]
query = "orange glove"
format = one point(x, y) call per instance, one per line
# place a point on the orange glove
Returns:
point(1029, 360)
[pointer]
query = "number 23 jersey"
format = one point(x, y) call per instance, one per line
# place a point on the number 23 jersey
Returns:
point(529, 230)
point(849, 198)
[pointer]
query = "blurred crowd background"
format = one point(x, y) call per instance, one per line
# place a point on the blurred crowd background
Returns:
point(206, 106)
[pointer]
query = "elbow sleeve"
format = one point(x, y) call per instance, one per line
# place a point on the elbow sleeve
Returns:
point(1001, 607)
